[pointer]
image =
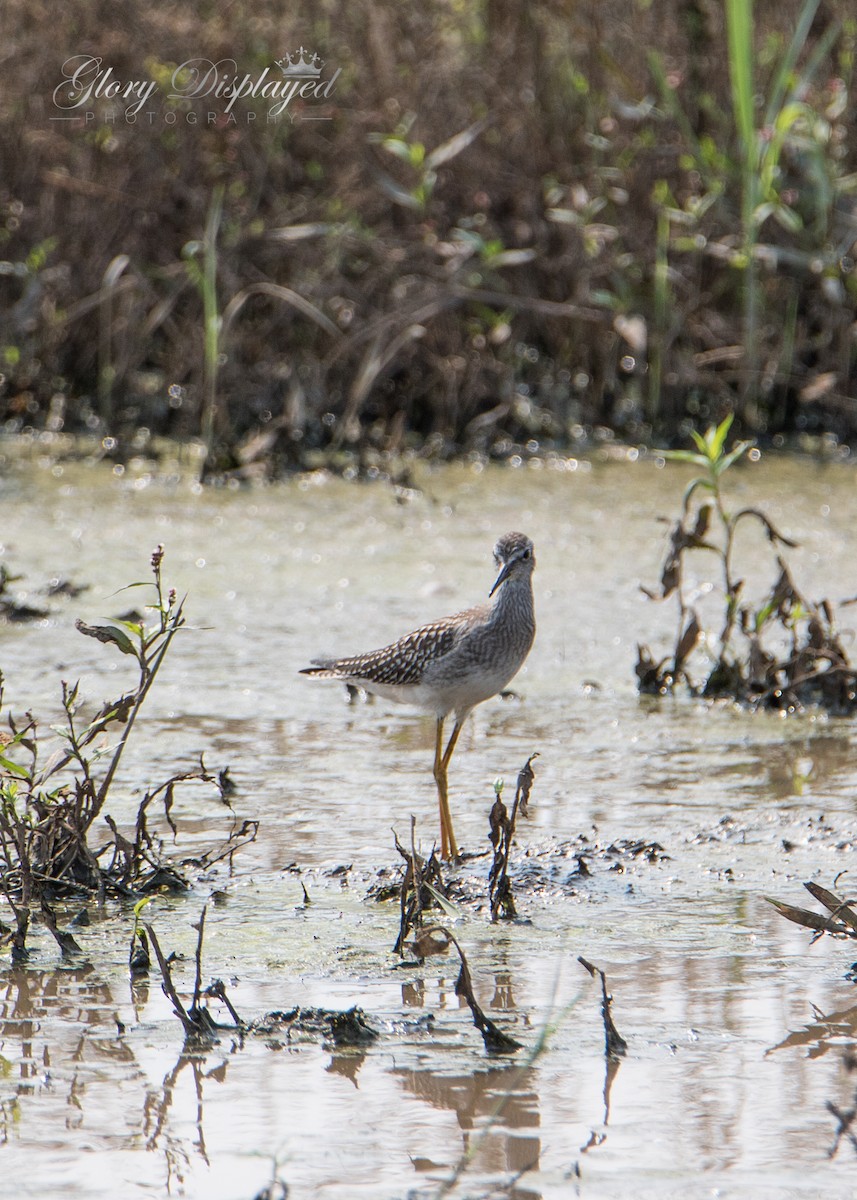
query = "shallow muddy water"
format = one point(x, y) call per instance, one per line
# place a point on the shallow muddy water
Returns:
point(687, 816)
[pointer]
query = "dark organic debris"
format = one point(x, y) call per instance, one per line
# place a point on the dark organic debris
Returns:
point(842, 921)
point(17, 611)
point(496, 1041)
point(502, 831)
point(566, 866)
point(343, 1029)
point(198, 1024)
point(68, 946)
point(12, 609)
point(139, 959)
point(427, 944)
point(277, 1189)
point(65, 587)
point(422, 883)
point(653, 852)
point(614, 1044)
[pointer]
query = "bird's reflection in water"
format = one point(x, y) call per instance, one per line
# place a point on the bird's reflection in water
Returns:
point(497, 1111)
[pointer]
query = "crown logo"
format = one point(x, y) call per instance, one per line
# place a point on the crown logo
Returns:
point(303, 65)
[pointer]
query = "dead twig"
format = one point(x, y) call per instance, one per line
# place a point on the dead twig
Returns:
point(196, 1022)
point(422, 877)
point(496, 1041)
point(502, 832)
point(614, 1044)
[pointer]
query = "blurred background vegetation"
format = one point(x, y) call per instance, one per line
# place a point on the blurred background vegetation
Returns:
point(507, 228)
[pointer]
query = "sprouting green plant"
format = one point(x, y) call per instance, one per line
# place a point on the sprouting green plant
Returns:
point(422, 164)
point(712, 457)
point(815, 666)
point(692, 532)
point(491, 253)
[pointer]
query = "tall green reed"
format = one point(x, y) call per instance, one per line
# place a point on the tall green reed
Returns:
point(761, 144)
point(205, 278)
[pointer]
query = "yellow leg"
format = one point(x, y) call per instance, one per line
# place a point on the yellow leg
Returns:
point(448, 844)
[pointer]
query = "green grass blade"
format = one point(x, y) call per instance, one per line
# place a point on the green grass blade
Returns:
point(739, 22)
point(783, 78)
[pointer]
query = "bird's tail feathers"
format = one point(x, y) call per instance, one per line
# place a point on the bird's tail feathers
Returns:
point(321, 670)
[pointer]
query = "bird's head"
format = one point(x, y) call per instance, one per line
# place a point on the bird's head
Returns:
point(515, 559)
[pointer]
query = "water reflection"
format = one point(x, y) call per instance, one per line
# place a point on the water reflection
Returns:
point(156, 1112)
point(497, 1112)
point(826, 1032)
point(416, 995)
point(598, 1136)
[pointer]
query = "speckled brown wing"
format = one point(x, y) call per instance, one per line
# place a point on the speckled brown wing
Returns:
point(401, 663)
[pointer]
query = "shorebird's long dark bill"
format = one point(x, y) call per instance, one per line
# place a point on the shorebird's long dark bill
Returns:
point(500, 578)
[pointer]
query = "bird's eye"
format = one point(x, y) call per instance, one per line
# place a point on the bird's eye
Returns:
point(526, 554)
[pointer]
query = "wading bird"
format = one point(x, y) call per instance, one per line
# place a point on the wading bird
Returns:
point(453, 664)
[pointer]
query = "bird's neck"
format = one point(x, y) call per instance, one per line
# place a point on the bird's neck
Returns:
point(514, 598)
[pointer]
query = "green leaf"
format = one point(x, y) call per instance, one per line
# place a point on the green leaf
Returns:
point(397, 147)
point(135, 627)
point(685, 456)
point(734, 454)
point(453, 146)
point(450, 909)
point(716, 438)
point(107, 633)
point(762, 211)
point(788, 219)
point(396, 192)
point(763, 614)
point(739, 29)
point(784, 77)
point(13, 768)
point(141, 904)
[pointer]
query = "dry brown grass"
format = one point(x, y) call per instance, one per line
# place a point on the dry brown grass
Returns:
point(426, 339)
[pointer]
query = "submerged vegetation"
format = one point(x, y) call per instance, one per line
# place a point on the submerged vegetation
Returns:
point(542, 227)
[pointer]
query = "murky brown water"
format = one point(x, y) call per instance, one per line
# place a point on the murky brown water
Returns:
point(736, 1024)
